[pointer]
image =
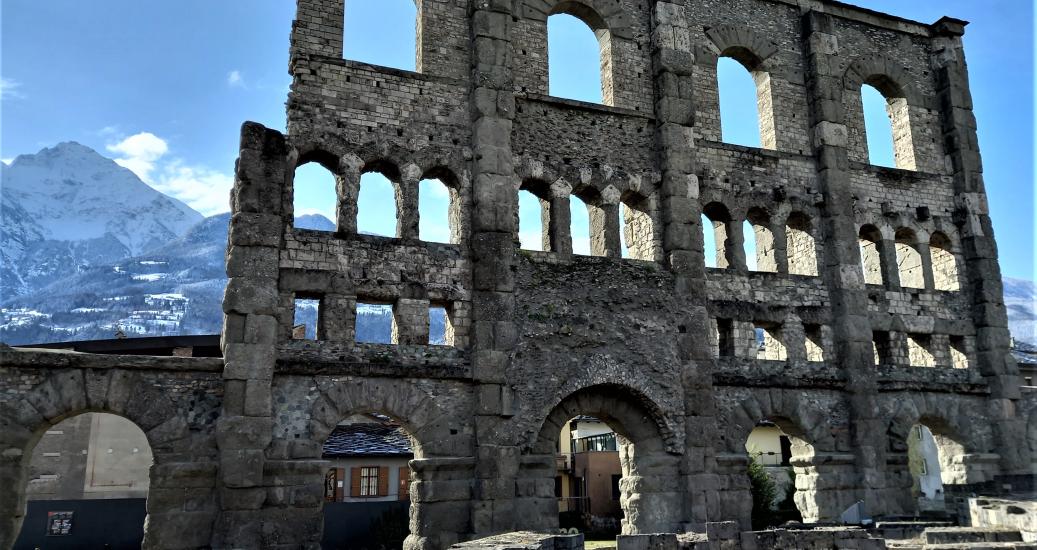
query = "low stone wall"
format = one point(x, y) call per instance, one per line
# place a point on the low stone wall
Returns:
point(524, 540)
point(1005, 513)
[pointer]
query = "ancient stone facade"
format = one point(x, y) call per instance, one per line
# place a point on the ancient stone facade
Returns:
point(849, 292)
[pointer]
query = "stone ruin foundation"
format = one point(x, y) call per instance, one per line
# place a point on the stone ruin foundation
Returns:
point(864, 275)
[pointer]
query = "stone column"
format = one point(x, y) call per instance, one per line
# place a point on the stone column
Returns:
point(673, 63)
point(347, 186)
point(977, 236)
point(494, 233)
point(407, 216)
point(842, 272)
point(410, 324)
point(558, 229)
point(250, 305)
point(888, 264)
point(604, 231)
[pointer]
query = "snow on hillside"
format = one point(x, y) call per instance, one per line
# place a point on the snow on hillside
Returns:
point(67, 208)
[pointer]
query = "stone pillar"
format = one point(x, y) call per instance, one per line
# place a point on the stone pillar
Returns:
point(794, 337)
point(888, 263)
point(604, 231)
point(558, 229)
point(977, 237)
point(338, 317)
point(407, 216)
point(842, 272)
point(926, 258)
point(249, 340)
point(410, 322)
point(494, 234)
point(673, 63)
point(347, 186)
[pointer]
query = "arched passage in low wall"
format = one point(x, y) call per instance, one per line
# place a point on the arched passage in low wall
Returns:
point(434, 415)
point(650, 491)
point(175, 410)
point(815, 423)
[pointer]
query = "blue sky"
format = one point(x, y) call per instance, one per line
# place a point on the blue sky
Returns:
point(163, 86)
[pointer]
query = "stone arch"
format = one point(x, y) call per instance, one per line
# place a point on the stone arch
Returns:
point(826, 489)
point(727, 236)
point(910, 261)
point(436, 440)
point(893, 82)
point(763, 235)
point(650, 495)
point(599, 15)
point(67, 393)
point(741, 44)
point(459, 190)
point(801, 244)
point(417, 411)
point(753, 52)
point(964, 445)
point(944, 261)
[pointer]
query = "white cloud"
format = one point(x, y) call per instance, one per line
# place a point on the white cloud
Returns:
point(235, 80)
point(9, 89)
point(7, 161)
point(203, 189)
point(139, 153)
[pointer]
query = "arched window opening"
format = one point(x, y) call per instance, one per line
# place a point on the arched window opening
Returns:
point(367, 483)
point(370, 26)
point(945, 265)
point(749, 245)
point(377, 203)
point(532, 233)
point(437, 221)
point(800, 246)
point(315, 196)
point(772, 474)
point(909, 261)
point(746, 110)
point(101, 460)
point(718, 231)
point(579, 61)
point(870, 242)
point(760, 254)
point(580, 226)
point(638, 231)
point(887, 125)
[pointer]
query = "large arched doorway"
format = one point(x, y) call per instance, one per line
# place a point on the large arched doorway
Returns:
point(615, 420)
point(367, 483)
point(772, 473)
point(87, 480)
point(923, 463)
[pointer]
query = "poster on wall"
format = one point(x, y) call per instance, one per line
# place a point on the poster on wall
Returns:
point(59, 524)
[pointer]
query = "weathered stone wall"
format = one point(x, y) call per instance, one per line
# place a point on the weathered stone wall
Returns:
point(660, 347)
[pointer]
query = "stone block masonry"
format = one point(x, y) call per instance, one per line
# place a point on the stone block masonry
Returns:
point(877, 293)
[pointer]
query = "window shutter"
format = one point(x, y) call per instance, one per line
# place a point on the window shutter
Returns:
point(404, 493)
point(383, 481)
point(340, 480)
point(354, 482)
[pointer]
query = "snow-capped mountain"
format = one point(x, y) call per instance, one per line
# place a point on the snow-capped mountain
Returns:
point(67, 208)
point(1021, 302)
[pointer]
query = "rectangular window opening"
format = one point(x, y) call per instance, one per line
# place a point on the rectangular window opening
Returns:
point(880, 341)
point(725, 338)
point(369, 481)
point(440, 331)
point(374, 323)
point(959, 352)
point(814, 343)
point(306, 321)
point(919, 350)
